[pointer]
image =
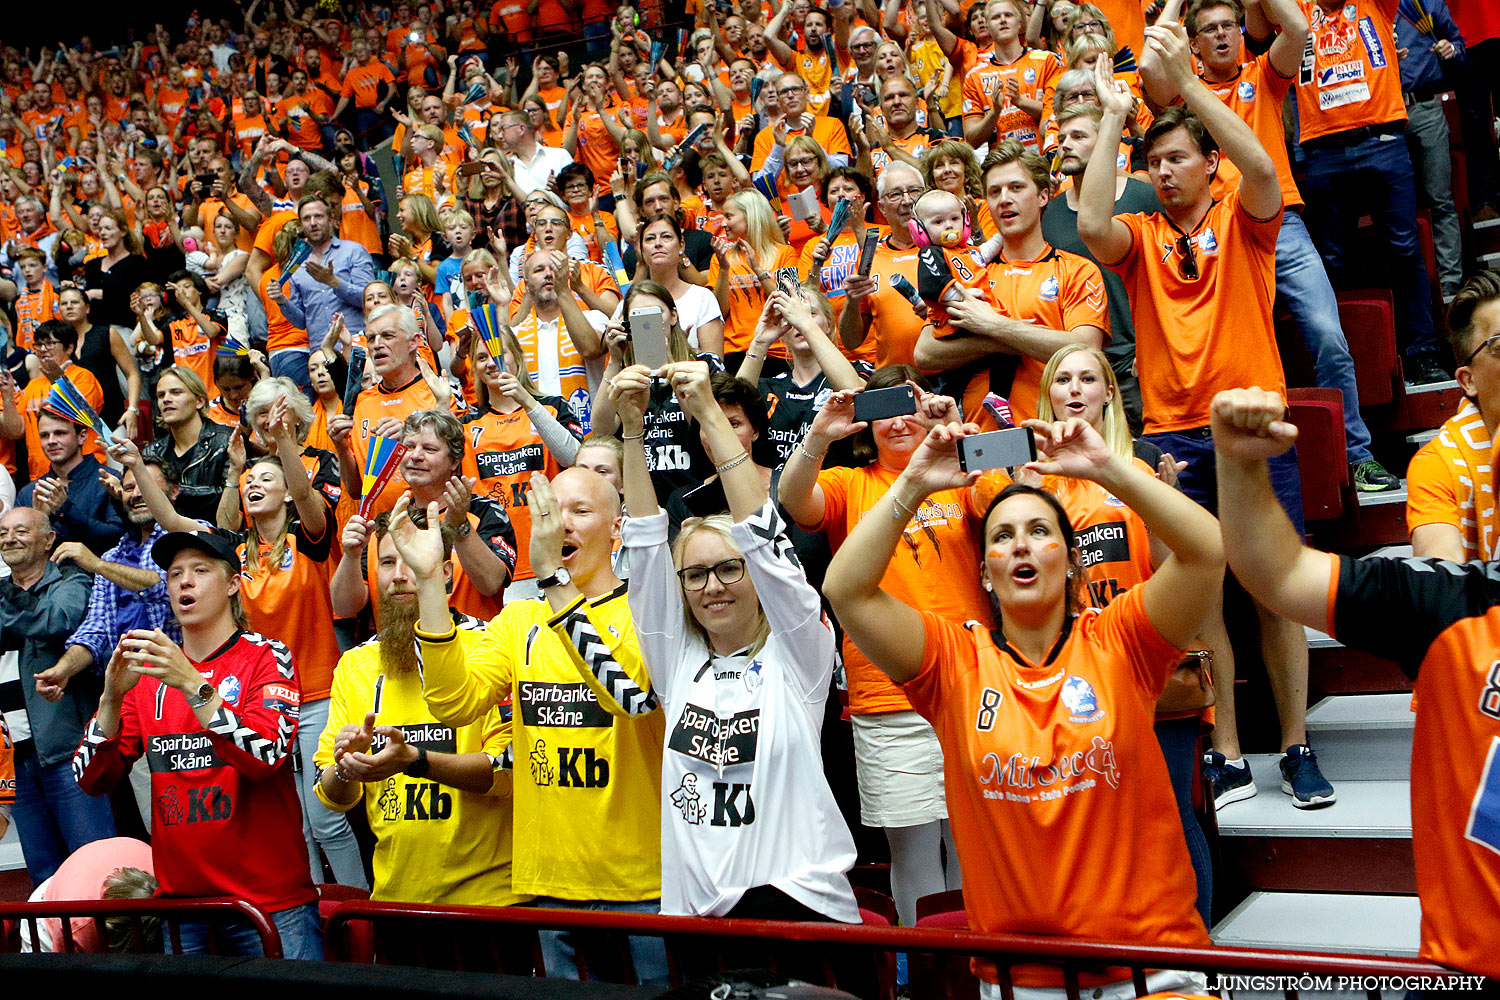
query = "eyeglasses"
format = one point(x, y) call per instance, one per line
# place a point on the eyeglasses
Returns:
point(729, 572)
point(904, 194)
point(1187, 264)
point(1493, 343)
point(795, 89)
point(1223, 28)
point(1087, 26)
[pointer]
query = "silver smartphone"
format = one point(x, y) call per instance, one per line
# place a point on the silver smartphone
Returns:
point(648, 336)
point(996, 450)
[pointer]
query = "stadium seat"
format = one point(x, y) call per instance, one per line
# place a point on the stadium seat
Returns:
point(360, 945)
point(1321, 456)
point(1369, 321)
point(943, 910)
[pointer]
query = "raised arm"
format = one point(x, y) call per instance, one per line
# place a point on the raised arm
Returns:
point(1107, 238)
point(1262, 546)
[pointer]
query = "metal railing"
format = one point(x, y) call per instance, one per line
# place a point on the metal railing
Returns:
point(173, 913)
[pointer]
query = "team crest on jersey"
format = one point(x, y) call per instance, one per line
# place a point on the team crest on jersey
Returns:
point(1078, 695)
point(1247, 90)
point(1030, 75)
point(1350, 11)
point(229, 690)
point(822, 397)
point(1208, 242)
point(1049, 290)
point(752, 676)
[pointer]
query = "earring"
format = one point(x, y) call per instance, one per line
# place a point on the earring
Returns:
point(987, 587)
point(1071, 574)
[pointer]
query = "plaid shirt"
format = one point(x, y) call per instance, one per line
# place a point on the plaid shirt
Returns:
point(113, 610)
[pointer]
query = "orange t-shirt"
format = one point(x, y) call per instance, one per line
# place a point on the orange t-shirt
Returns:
point(1256, 93)
point(29, 401)
point(1451, 480)
point(1059, 761)
point(281, 332)
point(583, 225)
point(1196, 337)
point(191, 349)
point(355, 224)
point(291, 602)
point(1035, 72)
point(827, 132)
point(1113, 543)
point(596, 147)
point(362, 83)
point(1059, 291)
point(1349, 76)
point(302, 128)
point(210, 208)
point(938, 544)
point(895, 326)
point(1127, 19)
point(374, 405)
point(747, 298)
point(33, 309)
point(502, 450)
point(509, 17)
point(248, 131)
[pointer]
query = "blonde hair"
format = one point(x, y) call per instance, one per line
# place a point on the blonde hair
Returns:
point(761, 230)
point(191, 382)
point(252, 535)
point(518, 354)
point(1116, 431)
point(1083, 45)
point(807, 144)
point(432, 133)
point(455, 215)
point(721, 525)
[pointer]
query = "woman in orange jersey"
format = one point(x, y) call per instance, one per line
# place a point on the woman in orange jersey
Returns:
point(896, 753)
point(1060, 801)
point(419, 219)
point(806, 165)
point(513, 432)
point(1117, 553)
point(597, 229)
point(743, 273)
point(359, 216)
point(952, 166)
point(543, 122)
point(284, 587)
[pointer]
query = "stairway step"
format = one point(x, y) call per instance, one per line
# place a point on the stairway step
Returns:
point(1333, 922)
point(1365, 737)
point(1422, 437)
point(1364, 809)
point(1387, 497)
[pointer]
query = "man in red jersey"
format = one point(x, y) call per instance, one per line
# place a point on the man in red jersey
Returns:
point(215, 719)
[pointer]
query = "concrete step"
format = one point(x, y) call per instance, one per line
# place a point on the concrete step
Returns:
point(1422, 437)
point(1397, 496)
point(1363, 737)
point(1365, 809)
point(1333, 922)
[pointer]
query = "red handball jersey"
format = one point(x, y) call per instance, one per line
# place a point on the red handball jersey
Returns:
point(226, 820)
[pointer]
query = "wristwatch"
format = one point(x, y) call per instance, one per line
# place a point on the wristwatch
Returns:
point(464, 530)
point(419, 767)
point(559, 579)
point(202, 696)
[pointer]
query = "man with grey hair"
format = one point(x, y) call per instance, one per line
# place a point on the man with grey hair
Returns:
point(32, 230)
point(863, 42)
point(872, 304)
point(564, 343)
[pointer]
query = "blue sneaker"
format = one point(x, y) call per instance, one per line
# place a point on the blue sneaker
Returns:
point(1230, 782)
point(1301, 779)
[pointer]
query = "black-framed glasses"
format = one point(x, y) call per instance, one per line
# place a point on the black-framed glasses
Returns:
point(1493, 343)
point(1187, 261)
point(728, 573)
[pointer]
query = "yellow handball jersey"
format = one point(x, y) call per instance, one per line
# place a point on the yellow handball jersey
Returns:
point(587, 778)
point(434, 843)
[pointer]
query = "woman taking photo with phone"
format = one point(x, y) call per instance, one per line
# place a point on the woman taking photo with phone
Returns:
point(1080, 384)
point(896, 753)
point(660, 248)
point(730, 630)
point(1044, 711)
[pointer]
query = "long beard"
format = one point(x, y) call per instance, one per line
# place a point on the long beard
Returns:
point(397, 636)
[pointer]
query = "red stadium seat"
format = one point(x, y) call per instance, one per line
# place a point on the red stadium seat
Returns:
point(361, 937)
point(1321, 456)
point(876, 909)
point(943, 909)
point(1369, 322)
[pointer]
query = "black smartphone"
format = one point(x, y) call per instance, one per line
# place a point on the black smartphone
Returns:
point(867, 252)
point(207, 180)
point(996, 450)
point(878, 404)
point(786, 280)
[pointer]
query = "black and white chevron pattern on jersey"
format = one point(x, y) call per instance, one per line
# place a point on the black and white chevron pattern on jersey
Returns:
point(93, 738)
point(279, 650)
point(605, 668)
point(267, 751)
point(766, 523)
point(507, 759)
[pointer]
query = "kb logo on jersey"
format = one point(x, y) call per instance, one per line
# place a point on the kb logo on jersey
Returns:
point(576, 767)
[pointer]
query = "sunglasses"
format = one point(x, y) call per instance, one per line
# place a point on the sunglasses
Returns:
point(728, 573)
point(1187, 264)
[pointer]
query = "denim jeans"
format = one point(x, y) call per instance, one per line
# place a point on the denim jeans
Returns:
point(1199, 481)
point(1179, 747)
point(1371, 177)
point(321, 826)
point(300, 928)
point(54, 817)
point(1302, 286)
point(648, 954)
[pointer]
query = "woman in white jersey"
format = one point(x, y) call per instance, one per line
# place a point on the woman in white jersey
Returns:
point(740, 657)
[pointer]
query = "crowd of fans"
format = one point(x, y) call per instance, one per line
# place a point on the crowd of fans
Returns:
point(553, 501)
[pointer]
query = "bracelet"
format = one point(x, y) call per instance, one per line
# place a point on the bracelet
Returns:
point(338, 772)
point(723, 467)
point(898, 506)
point(633, 437)
point(816, 458)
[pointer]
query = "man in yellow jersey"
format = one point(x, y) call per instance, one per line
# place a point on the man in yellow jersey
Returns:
point(437, 796)
point(588, 784)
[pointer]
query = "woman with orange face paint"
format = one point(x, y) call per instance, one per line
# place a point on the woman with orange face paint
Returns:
point(1056, 789)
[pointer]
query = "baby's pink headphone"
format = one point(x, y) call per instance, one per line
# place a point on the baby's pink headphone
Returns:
point(920, 238)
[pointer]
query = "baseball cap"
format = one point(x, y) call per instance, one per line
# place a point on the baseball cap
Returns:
point(210, 541)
